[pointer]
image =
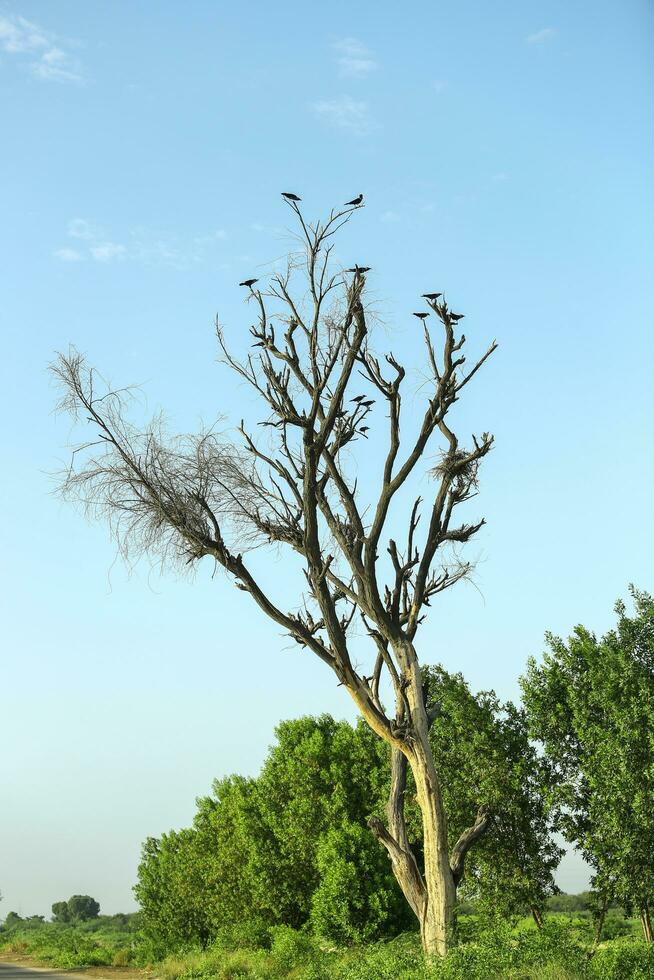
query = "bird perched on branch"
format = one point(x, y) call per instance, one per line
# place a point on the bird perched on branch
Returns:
point(357, 398)
point(355, 203)
point(290, 197)
point(360, 269)
point(421, 316)
point(248, 282)
point(370, 402)
point(457, 316)
point(431, 295)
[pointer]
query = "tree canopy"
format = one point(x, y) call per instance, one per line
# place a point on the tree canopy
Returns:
point(590, 702)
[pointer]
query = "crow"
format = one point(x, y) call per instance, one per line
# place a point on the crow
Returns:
point(357, 398)
point(355, 203)
point(369, 403)
point(359, 268)
point(431, 295)
point(290, 197)
point(363, 430)
point(248, 282)
point(421, 316)
point(457, 316)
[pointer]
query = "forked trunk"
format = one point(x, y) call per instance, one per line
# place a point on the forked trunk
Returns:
point(646, 924)
point(537, 916)
point(431, 892)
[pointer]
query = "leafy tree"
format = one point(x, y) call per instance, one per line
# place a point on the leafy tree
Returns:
point(591, 704)
point(60, 912)
point(81, 908)
point(170, 892)
point(258, 848)
point(482, 747)
point(12, 919)
point(205, 496)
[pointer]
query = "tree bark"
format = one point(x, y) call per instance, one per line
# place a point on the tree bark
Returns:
point(601, 918)
point(537, 916)
point(437, 924)
point(646, 924)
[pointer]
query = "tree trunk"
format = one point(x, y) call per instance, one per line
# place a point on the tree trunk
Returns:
point(601, 918)
point(537, 916)
point(646, 924)
point(437, 919)
point(432, 893)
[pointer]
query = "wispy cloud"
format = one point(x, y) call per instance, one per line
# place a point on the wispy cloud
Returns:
point(354, 59)
point(546, 34)
point(68, 255)
point(108, 251)
point(345, 113)
point(138, 245)
point(45, 54)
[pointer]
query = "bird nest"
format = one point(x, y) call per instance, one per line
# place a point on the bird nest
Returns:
point(454, 464)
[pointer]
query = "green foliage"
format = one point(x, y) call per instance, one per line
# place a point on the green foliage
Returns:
point(101, 941)
point(261, 849)
point(60, 912)
point(356, 900)
point(591, 704)
point(482, 751)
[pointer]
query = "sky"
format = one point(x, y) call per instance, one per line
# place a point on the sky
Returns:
point(505, 152)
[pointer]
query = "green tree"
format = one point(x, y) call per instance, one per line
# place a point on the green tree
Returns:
point(482, 746)
point(82, 907)
point(60, 912)
point(591, 704)
point(259, 849)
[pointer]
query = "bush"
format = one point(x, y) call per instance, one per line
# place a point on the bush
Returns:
point(292, 948)
point(623, 959)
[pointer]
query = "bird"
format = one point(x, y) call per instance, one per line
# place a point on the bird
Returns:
point(363, 430)
point(457, 316)
point(370, 402)
point(359, 268)
point(357, 398)
point(355, 203)
point(431, 295)
point(290, 197)
point(421, 316)
point(248, 282)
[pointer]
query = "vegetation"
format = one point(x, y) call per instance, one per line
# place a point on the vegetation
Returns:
point(293, 847)
point(591, 704)
point(279, 876)
point(562, 950)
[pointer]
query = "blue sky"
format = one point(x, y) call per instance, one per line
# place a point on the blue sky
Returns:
point(505, 151)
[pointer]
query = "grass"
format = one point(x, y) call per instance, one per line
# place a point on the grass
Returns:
point(501, 952)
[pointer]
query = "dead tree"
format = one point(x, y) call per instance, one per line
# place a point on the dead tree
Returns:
point(206, 496)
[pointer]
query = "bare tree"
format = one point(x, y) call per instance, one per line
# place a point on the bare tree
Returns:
point(205, 495)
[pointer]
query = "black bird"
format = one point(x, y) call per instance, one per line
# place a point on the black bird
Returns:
point(431, 295)
point(421, 316)
point(457, 316)
point(357, 398)
point(290, 197)
point(359, 268)
point(355, 203)
point(248, 282)
point(364, 429)
point(369, 403)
